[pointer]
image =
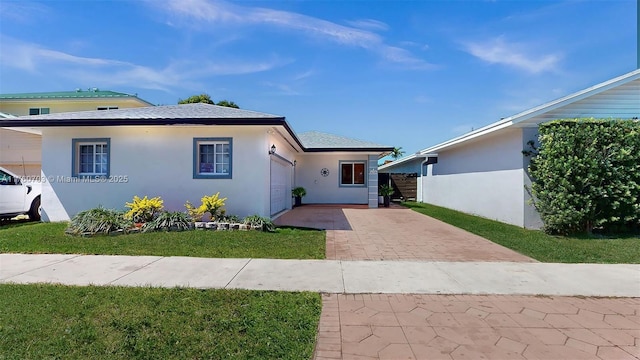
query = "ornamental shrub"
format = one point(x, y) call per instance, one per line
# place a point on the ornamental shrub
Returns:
point(213, 205)
point(169, 221)
point(586, 175)
point(143, 210)
point(98, 221)
point(264, 223)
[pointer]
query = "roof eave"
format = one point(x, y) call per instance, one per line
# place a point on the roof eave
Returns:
point(521, 117)
point(136, 122)
point(382, 151)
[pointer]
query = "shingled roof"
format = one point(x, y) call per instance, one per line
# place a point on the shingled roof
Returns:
point(319, 141)
point(193, 114)
point(196, 114)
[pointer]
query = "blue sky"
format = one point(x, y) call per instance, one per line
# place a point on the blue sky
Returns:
point(399, 73)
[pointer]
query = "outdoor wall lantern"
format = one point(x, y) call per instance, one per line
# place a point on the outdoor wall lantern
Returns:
point(273, 149)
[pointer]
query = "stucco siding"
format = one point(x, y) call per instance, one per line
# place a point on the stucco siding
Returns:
point(157, 161)
point(326, 189)
point(495, 195)
point(21, 107)
point(501, 150)
point(484, 177)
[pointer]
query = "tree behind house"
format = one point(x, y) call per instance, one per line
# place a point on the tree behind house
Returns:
point(205, 98)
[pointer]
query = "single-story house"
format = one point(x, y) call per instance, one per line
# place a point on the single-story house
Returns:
point(183, 152)
point(485, 173)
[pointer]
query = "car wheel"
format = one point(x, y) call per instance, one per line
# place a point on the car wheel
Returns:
point(34, 211)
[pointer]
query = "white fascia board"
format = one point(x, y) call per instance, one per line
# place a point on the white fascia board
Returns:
point(594, 90)
point(34, 131)
point(400, 161)
point(472, 135)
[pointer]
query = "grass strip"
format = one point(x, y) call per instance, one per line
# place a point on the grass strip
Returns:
point(55, 322)
point(537, 244)
point(49, 238)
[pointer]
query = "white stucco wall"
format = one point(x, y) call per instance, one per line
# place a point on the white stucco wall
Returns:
point(158, 161)
point(484, 177)
point(326, 190)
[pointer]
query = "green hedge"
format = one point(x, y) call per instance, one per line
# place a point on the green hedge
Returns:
point(586, 175)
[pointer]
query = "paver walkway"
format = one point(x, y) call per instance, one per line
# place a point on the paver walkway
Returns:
point(397, 233)
point(413, 326)
point(477, 327)
point(402, 326)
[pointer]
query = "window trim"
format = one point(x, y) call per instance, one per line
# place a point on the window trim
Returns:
point(196, 157)
point(40, 110)
point(75, 160)
point(340, 184)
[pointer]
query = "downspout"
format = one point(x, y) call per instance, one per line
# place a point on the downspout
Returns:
point(420, 196)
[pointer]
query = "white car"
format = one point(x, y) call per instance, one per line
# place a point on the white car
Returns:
point(18, 197)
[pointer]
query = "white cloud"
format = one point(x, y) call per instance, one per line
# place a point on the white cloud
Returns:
point(369, 24)
point(219, 12)
point(281, 88)
point(499, 51)
point(35, 59)
point(304, 75)
point(23, 11)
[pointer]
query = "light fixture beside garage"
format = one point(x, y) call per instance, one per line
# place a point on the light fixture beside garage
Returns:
point(273, 149)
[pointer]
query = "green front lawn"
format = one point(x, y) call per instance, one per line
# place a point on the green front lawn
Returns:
point(50, 238)
point(63, 322)
point(537, 244)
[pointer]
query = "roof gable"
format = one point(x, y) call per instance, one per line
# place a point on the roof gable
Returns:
point(585, 103)
point(629, 83)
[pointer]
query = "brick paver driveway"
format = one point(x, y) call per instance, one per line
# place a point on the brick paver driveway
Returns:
point(409, 326)
point(397, 233)
point(374, 326)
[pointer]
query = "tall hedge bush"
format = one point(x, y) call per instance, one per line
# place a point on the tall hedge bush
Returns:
point(586, 175)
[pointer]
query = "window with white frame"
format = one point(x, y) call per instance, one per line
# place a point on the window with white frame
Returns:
point(352, 173)
point(91, 157)
point(212, 158)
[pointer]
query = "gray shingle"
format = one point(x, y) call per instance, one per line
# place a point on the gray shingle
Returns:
point(185, 111)
point(316, 139)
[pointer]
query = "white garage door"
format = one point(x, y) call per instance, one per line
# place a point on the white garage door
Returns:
point(280, 185)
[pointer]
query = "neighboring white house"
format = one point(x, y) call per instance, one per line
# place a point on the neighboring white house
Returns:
point(183, 152)
point(485, 173)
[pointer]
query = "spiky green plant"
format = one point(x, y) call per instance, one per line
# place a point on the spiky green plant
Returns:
point(98, 221)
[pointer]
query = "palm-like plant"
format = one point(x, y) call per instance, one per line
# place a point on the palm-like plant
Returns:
point(397, 153)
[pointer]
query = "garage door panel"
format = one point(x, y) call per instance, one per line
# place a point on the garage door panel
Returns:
point(280, 185)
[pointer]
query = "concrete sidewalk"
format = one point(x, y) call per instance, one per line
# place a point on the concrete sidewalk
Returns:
point(329, 276)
